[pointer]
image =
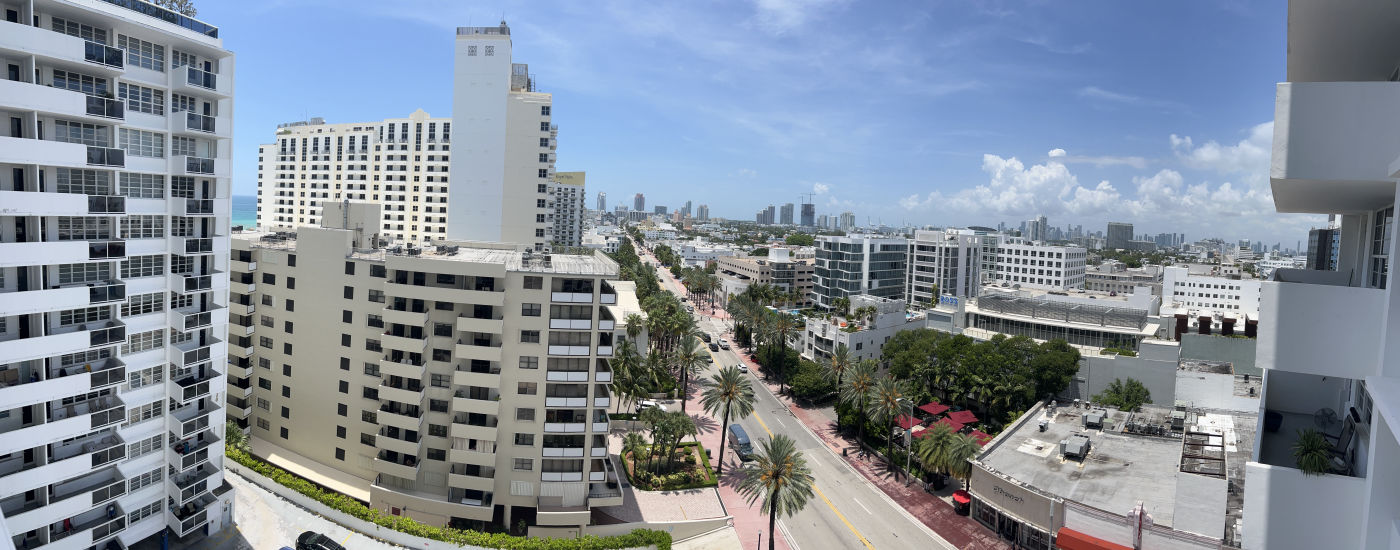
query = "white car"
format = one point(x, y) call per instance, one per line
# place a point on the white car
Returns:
point(648, 403)
point(723, 344)
point(742, 367)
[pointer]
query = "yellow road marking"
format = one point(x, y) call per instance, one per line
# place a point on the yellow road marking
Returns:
point(347, 539)
point(838, 513)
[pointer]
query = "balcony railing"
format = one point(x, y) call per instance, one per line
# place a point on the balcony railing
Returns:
point(203, 79)
point(104, 293)
point(106, 250)
point(107, 156)
point(199, 246)
point(105, 204)
point(105, 107)
point(103, 54)
point(200, 123)
point(199, 207)
point(112, 333)
point(199, 165)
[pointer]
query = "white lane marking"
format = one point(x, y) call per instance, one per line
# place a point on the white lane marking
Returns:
point(862, 506)
point(787, 536)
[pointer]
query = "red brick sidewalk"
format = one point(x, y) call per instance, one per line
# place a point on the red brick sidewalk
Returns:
point(960, 531)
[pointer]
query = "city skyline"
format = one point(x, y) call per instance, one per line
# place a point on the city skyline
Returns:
point(1122, 123)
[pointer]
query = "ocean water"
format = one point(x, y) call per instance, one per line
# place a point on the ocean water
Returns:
point(245, 210)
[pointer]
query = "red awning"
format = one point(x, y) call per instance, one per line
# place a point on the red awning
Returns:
point(961, 497)
point(1069, 539)
point(905, 421)
point(982, 437)
point(956, 426)
point(965, 417)
point(934, 409)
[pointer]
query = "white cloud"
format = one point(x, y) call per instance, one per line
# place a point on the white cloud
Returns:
point(1241, 206)
point(748, 173)
point(1104, 97)
point(781, 16)
point(820, 188)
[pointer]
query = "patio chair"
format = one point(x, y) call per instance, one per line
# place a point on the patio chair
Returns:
point(1341, 443)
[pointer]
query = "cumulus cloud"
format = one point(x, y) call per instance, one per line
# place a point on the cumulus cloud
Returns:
point(1167, 200)
point(820, 188)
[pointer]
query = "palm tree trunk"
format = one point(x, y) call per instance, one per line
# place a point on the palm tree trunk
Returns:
point(772, 519)
point(722, 435)
point(685, 386)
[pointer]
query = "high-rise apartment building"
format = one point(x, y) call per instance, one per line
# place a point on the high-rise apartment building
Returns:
point(1035, 265)
point(785, 214)
point(686, 211)
point(859, 264)
point(1037, 229)
point(460, 384)
point(639, 203)
point(847, 222)
point(1323, 247)
point(504, 144)
point(602, 201)
point(400, 163)
point(114, 199)
point(702, 212)
point(949, 260)
point(566, 198)
point(809, 215)
point(1329, 341)
point(659, 210)
point(1118, 236)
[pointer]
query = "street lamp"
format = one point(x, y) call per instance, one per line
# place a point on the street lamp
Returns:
point(908, 445)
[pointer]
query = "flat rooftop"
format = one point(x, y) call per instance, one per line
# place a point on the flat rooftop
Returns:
point(515, 258)
point(1123, 469)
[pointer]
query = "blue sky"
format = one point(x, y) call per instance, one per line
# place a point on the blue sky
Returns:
point(946, 113)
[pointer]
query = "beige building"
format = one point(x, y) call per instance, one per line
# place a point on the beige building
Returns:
point(455, 384)
point(567, 194)
point(778, 270)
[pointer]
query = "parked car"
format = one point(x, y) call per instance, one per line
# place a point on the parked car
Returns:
point(312, 540)
point(648, 403)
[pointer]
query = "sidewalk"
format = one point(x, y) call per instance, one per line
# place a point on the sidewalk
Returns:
point(935, 512)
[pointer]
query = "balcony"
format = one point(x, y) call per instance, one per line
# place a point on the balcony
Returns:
point(571, 297)
point(485, 481)
point(1295, 296)
point(105, 157)
point(77, 457)
point(191, 386)
point(189, 517)
point(571, 324)
point(472, 457)
point(192, 419)
point(192, 123)
point(404, 447)
point(468, 350)
point(1342, 135)
point(551, 512)
point(29, 203)
point(192, 80)
point(61, 297)
point(240, 388)
point(192, 246)
point(190, 485)
point(405, 395)
point(565, 427)
point(485, 401)
point(466, 323)
point(432, 293)
point(564, 476)
point(188, 454)
point(57, 252)
point(401, 466)
point(566, 376)
point(605, 351)
point(28, 388)
point(486, 378)
point(53, 46)
point(190, 318)
point(65, 340)
point(193, 352)
point(194, 207)
point(199, 166)
point(406, 417)
point(603, 401)
point(573, 351)
point(401, 366)
point(408, 318)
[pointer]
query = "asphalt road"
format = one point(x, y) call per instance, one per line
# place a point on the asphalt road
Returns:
point(847, 511)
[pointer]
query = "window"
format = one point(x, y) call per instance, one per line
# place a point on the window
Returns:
point(282, 432)
point(339, 452)
point(369, 393)
point(524, 464)
point(529, 362)
point(287, 348)
point(264, 383)
point(73, 28)
point(526, 388)
point(290, 305)
point(544, 110)
point(349, 293)
point(287, 327)
point(143, 186)
point(373, 345)
point(376, 296)
point(530, 310)
point(143, 227)
point(144, 446)
point(349, 268)
point(145, 412)
point(490, 51)
point(437, 430)
point(264, 404)
point(530, 336)
point(286, 413)
point(183, 147)
point(471, 51)
point(291, 260)
point(265, 342)
point(85, 182)
point(142, 99)
point(141, 304)
point(138, 143)
point(144, 512)
point(145, 377)
point(372, 369)
point(142, 53)
point(437, 405)
point(525, 440)
point(437, 454)
point(378, 271)
point(367, 439)
point(82, 273)
point(77, 132)
point(523, 414)
point(345, 340)
point(440, 380)
point(263, 424)
point(269, 279)
point(142, 341)
point(79, 82)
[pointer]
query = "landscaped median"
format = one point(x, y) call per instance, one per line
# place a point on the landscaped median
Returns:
point(639, 538)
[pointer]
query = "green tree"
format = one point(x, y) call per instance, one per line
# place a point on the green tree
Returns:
point(235, 438)
point(811, 381)
point(840, 362)
point(635, 444)
point(780, 479)
point(182, 7)
point(730, 394)
point(800, 239)
point(690, 358)
point(958, 455)
point(856, 392)
point(885, 407)
point(1126, 396)
point(932, 447)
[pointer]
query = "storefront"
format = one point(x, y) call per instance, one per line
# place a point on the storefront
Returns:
point(1017, 514)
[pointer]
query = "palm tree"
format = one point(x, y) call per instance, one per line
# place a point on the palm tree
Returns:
point(839, 363)
point(781, 327)
point(841, 305)
point(634, 444)
point(635, 325)
point(856, 392)
point(781, 478)
point(730, 394)
point(932, 447)
point(690, 358)
point(885, 407)
point(960, 451)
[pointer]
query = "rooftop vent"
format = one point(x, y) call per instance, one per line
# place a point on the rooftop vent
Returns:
point(1094, 419)
point(1076, 446)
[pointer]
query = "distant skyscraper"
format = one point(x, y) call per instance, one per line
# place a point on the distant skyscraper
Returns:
point(809, 214)
point(1119, 234)
point(824, 221)
point(785, 217)
point(660, 210)
point(602, 201)
point(686, 211)
point(848, 221)
point(703, 213)
point(1036, 229)
point(639, 203)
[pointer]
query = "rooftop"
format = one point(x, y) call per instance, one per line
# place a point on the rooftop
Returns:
point(1122, 468)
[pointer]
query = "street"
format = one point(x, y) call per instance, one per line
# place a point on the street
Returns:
point(847, 511)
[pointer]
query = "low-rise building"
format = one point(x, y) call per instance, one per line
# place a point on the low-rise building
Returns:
point(778, 270)
point(1032, 264)
point(950, 261)
point(1086, 320)
point(863, 339)
point(1116, 277)
point(1217, 294)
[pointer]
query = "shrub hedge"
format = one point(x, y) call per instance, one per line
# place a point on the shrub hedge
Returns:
point(344, 504)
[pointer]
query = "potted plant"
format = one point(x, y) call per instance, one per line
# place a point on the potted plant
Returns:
point(1313, 452)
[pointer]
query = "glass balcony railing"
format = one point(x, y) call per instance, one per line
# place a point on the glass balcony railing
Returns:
point(106, 156)
point(198, 122)
point(102, 54)
point(203, 79)
point(110, 334)
point(107, 292)
point(199, 165)
point(105, 107)
point(106, 250)
point(103, 204)
point(199, 246)
point(199, 207)
point(168, 16)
